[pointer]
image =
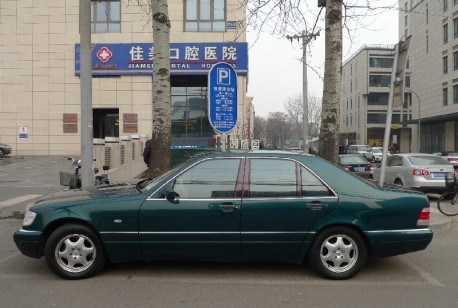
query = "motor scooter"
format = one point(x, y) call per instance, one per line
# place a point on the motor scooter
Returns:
point(75, 179)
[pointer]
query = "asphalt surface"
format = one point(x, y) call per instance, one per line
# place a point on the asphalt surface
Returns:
point(26, 178)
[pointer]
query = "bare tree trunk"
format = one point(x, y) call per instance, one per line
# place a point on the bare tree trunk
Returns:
point(161, 135)
point(329, 133)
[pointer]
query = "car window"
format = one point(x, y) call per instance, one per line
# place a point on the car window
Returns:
point(395, 161)
point(353, 160)
point(427, 160)
point(377, 150)
point(272, 178)
point(311, 185)
point(364, 148)
point(214, 178)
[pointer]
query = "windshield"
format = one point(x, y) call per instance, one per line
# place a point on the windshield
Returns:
point(377, 150)
point(364, 148)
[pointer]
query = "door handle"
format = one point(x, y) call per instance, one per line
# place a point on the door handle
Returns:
point(317, 205)
point(228, 207)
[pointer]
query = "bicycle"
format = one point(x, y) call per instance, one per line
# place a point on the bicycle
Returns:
point(447, 203)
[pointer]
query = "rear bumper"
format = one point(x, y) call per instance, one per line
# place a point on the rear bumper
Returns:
point(389, 243)
point(28, 243)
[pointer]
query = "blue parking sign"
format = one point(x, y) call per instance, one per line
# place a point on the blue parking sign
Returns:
point(222, 97)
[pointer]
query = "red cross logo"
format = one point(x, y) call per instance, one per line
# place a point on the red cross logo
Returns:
point(104, 54)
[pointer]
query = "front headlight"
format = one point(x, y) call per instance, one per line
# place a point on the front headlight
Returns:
point(29, 218)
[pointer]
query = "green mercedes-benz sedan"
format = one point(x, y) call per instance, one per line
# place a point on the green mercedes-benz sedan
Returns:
point(257, 206)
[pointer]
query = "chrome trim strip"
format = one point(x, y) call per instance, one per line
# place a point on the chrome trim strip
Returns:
point(29, 231)
point(208, 232)
point(398, 231)
point(255, 198)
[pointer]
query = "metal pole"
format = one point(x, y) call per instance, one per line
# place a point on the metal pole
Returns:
point(87, 173)
point(419, 121)
point(386, 137)
point(305, 116)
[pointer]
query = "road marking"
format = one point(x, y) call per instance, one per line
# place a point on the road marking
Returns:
point(17, 200)
point(422, 272)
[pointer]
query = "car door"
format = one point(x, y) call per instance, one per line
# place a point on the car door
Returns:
point(282, 200)
point(393, 168)
point(202, 220)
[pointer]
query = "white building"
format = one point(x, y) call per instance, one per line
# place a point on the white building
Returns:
point(434, 67)
point(366, 78)
point(40, 112)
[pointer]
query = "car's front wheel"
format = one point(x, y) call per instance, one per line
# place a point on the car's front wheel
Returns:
point(338, 253)
point(2, 153)
point(74, 251)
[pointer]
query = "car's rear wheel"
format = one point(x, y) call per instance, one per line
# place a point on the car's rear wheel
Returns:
point(74, 251)
point(2, 153)
point(398, 182)
point(338, 253)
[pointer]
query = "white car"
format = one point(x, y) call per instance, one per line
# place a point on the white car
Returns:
point(424, 172)
point(375, 154)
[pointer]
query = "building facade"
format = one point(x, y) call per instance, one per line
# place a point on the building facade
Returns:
point(366, 78)
point(40, 109)
point(433, 59)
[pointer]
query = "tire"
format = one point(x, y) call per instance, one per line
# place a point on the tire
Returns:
point(2, 153)
point(371, 177)
point(447, 204)
point(74, 251)
point(338, 253)
point(398, 182)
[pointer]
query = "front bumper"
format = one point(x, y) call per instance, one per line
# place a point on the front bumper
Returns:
point(28, 243)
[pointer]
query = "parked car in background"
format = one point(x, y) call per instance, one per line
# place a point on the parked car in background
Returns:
point(361, 149)
point(5, 149)
point(425, 172)
point(451, 157)
point(375, 154)
point(257, 206)
point(356, 163)
point(294, 149)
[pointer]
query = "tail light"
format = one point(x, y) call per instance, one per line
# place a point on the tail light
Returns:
point(423, 218)
point(420, 172)
point(346, 167)
point(372, 167)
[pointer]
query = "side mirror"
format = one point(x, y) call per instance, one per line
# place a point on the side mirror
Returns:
point(171, 195)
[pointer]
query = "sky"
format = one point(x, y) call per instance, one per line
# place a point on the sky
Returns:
point(275, 67)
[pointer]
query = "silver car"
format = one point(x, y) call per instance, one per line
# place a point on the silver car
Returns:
point(425, 172)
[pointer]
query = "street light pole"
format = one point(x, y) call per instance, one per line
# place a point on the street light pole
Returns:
point(419, 121)
point(306, 38)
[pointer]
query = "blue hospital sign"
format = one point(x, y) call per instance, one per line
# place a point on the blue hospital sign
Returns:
point(222, 97)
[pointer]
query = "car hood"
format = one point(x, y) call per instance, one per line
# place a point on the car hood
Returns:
point(72, 195)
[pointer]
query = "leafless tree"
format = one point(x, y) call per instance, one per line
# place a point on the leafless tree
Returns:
point(280, 17)
point(157, 10)
point(278, 128)
point(260, 130)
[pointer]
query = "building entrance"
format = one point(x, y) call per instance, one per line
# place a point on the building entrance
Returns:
point(106, 122)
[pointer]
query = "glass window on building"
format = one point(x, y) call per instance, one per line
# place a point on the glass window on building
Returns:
point(455, 60)
point(455, 94)
point(445, 5)
point(190, 109)
point(376, 118)
point(377, 99)
point(455, 27)
point(445, 65)
point(379, 80)
point(445, 33)
point(106, 16)
point(205, 16)
point(445, 96)
point(378, 62)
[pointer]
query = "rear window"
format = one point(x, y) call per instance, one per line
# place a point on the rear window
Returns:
point(428, 160)
point(364, 148)
point(352, 160)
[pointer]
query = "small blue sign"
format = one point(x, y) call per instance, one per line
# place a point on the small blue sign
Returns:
point(222, 97)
